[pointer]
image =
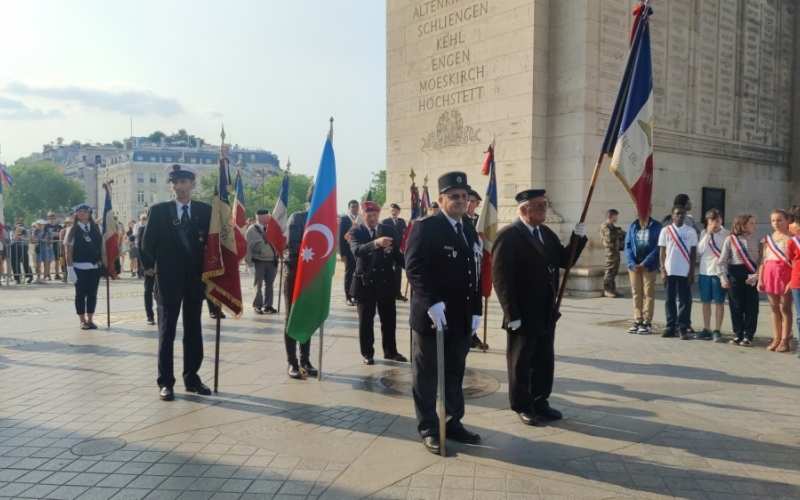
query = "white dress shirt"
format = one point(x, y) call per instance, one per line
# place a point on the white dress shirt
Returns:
point(180, 205)
point(531, 228)
point(453, 222)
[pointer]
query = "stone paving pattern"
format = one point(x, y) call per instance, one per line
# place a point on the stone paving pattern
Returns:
point(645, 417)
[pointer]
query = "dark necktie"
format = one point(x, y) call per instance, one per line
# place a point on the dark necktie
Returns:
point(371, 234)
point(460, 233)
point(537, 236)
point(185, 218)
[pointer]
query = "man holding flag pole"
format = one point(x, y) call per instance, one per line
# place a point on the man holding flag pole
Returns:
point(110, 248)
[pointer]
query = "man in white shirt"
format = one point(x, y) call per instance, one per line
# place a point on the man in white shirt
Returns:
point(678, 250)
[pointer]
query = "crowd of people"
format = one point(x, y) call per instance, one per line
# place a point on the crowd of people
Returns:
point(734, 264)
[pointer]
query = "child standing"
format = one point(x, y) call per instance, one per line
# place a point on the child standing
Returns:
point(678, 244)
point(774, 277)
point(710, 248)
point(738, 272)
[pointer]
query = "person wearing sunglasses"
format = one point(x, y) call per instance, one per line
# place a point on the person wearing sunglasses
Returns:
point(442, 265)
point(526, 258)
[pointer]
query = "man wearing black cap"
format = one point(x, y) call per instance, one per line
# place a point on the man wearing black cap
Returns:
point(399, 226)
point(434, 208)
point(377, 251)
point(472, 204)
point(262, 258)
point(442, 266)
point(173, 248)
point(347, 222)
point(526, 257)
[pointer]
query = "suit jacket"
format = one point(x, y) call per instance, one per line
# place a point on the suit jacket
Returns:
point(257, 246)
point(382, 277)
point(294, 238)
point(399, 228)
point(526, 282)
point(472, 221)
point(345, 225)
point(178, 265)
point(441, 267)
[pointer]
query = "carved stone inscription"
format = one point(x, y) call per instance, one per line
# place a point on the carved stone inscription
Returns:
point(786, 55)
point(615, 26)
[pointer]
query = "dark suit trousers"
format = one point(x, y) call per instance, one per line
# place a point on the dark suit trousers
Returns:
point(398, 278)
point(192, 340)
point(743, 302)
point(387, 312)
point(149, 283)
point(86, 290)
point(531, 363)
point(289, 342)
point(349, 269)
point(425, 380)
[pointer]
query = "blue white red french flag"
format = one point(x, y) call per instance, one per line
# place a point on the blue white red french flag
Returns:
point(110, 250)
point(629, 138)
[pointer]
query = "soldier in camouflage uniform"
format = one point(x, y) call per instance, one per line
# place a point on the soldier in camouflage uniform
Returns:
point(614, 241)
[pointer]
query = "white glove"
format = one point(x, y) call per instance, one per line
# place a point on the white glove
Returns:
point(476, 322)
point(71, 274)
point(436, 312)
point(513, 325)
point(580, 230)
point(252, 270)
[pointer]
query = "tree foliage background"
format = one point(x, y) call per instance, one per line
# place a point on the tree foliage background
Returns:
point(39, 188)
point(378, 187)
point(264, 196)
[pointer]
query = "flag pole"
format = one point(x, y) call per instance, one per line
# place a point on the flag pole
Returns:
point(485, 320)
point(322, 326)
point(280, 286)
point(216, 355)
point(108, 302)
point(573, 247)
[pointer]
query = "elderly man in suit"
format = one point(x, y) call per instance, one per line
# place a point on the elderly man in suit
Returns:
point(442, 265)
point(376, 249)
point(399, 225)
point(174, 242)
point(526, 257)
point(262, 259)
point(346, 222)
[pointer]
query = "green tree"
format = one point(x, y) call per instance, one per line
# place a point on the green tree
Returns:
point(263, 196)
point(117, 144)
point(59, 141)
point(76, 144)
point(156, 136)
point(39, 188)
point(378, 187)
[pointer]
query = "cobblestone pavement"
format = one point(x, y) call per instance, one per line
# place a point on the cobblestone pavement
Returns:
point(645, 417)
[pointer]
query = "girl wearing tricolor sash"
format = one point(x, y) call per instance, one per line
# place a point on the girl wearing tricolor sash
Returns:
point(774, 277)
point(710, 248)
point(738, 271)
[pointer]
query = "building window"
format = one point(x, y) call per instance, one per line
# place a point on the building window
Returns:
point(140, 177)
point(252, 157)
point(152, 158)
point(84, 158)
point(140, 196)
point(140, 158)
point(153, 178)
point(208, 160)
point(169, 159)
point(152, 196)
point(194, 160)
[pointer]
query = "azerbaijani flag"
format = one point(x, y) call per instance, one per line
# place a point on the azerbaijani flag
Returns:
point(110, 250)
point(312, 287)
point(276, 228)
point(629, 138)
point(240, 218)
point(221, 262)
point(488, 224)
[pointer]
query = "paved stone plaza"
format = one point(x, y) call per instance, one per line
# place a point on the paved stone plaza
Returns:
point(646, 417)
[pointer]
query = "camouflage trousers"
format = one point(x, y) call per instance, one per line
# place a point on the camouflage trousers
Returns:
point(612, 269)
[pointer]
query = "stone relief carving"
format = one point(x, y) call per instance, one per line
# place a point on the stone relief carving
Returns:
point(450, 131)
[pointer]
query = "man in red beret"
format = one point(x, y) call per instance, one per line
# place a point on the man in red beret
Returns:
point(376, 250)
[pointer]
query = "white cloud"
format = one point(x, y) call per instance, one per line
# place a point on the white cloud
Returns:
point(125, 100)
point(11, 109)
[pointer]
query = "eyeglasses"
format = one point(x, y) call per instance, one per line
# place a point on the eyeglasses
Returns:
point(454, 196)
point(540, 205)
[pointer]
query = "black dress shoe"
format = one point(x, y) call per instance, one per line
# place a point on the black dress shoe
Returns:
point(396, 357)
point(92, 326)
point(166, 394)
point(528, 418)
point(270, 310)
point(309, 369)
point(400, 297)
point(222, 315)
point(199, 388)
point(545, 412)
point(369, 361)
point(294, 371)
point(431, 443)
point(151, 321)
point(258, 310)
point(462, 435)
point(350, 302)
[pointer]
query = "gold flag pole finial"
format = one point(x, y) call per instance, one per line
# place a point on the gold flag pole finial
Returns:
point(222, 143)
point(182, 159)
point(413, 176)
point(289, 163)
point(239, 166)
point(330, 132)
point(425, 180)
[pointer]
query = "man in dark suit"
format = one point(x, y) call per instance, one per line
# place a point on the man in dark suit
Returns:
point(174, 243)
point(347, 222)
point(399, 226)
point(472, 204)
point(526, 257)
point(149, 279)
point(376, 249)
point(442, 266)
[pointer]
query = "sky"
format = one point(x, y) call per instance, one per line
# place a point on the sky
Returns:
point(272, 71)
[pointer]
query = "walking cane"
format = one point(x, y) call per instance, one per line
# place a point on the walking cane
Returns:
point(440, 408)
point(280, 286)
point(216, 353)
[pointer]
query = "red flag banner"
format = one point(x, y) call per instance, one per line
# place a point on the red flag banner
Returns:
point(221, 264)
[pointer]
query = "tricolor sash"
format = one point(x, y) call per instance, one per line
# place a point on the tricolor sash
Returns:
point(745, 258)
point(679, 243)
point(777, 251)
point(714, 248)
